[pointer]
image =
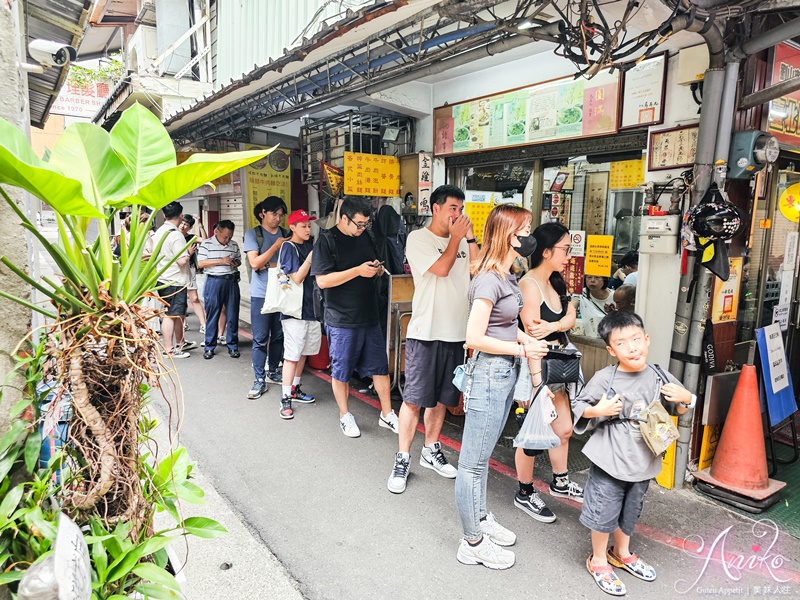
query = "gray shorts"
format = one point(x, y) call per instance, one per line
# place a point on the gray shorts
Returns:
point(429, 372)
point(609, 503)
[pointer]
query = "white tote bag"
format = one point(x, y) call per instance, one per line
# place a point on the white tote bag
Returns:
point(279, 299)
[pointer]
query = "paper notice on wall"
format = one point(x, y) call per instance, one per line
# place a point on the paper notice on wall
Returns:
point(578, 246)
point(778, 374)
point(780, 315)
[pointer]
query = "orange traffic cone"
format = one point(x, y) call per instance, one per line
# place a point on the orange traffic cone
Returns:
point(740, 462)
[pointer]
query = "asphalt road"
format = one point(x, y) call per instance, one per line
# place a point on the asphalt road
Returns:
point(318, 501)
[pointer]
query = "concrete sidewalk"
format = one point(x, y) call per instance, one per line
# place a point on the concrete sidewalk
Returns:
point(237, 565)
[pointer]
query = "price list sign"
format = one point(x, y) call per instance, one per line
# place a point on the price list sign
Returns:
point(371, 175)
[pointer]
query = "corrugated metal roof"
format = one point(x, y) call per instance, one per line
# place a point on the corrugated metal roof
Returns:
point(62, 21)
point(253, 31)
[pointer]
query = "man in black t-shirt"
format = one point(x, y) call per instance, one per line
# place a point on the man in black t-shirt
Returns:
point(346, 267)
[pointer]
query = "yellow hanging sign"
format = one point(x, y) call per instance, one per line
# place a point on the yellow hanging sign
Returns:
point(789, 203)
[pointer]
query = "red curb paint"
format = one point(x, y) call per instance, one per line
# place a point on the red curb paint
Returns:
point(541, 486)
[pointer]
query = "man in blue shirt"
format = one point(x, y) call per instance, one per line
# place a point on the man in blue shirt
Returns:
point(261, 245)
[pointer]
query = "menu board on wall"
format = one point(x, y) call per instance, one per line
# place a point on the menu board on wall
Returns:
point(556, 110)
point(371, 174)
point(672, 148)
point(784, 112)
point(643, 89)
point(626, 174)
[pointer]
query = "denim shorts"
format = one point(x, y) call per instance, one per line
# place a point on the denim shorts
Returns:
point(360, 349)
point(609, 503)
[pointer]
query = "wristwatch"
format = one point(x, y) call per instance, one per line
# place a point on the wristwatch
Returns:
point(472, 240)
point(692, 403)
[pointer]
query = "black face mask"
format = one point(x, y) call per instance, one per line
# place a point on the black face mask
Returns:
point(527, 245)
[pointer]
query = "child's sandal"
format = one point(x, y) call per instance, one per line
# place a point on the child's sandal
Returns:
point(606, 579)
point(633, 565)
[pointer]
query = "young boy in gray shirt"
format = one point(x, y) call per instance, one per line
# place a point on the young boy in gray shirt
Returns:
point(622, 463)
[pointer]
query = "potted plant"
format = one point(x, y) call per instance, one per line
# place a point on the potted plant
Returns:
point(99, 352)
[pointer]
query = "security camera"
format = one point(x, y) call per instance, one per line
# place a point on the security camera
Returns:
point(51, 53)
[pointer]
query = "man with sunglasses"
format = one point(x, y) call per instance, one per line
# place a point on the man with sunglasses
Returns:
point(346, 265)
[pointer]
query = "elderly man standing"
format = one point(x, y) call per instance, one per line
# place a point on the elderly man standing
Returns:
point(173, 281)
point(439, 257)
point(220, 258)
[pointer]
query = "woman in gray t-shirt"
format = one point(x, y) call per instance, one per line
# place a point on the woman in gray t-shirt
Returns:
point(492, 331)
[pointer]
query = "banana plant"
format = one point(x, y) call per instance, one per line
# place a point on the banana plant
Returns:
point(91, 174)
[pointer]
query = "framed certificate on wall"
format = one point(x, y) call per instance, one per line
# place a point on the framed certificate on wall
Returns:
point(671, 148)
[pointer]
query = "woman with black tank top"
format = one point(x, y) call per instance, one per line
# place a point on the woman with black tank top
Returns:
point(547, 314)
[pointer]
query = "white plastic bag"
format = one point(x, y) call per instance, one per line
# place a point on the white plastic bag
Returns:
point(536, 432)
point(286, 299)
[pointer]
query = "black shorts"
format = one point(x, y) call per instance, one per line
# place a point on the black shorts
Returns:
point(429, 372)
point(176, 296)
point(609, 503)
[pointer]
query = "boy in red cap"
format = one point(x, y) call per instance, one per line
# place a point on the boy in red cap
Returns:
point(301, 337)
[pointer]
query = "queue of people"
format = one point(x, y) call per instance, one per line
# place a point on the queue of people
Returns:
point(465, 297)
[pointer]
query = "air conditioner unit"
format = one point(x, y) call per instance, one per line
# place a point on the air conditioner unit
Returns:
point(142, 49)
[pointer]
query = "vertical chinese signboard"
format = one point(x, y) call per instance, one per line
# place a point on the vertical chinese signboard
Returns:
point(270, 176)
point(784, 112)
point(371, 175)
point(424, 203)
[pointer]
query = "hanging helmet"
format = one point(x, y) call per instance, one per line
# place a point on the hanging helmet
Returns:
point(714, 218)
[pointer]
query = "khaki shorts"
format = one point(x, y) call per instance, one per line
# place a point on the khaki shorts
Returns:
point(300, 338)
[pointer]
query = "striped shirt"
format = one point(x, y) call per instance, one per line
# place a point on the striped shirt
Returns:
point(211, 249)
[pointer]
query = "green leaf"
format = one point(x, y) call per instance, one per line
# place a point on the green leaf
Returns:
point(157, 592)
point(33, 446)
point(100, 559)
point(85, 150)
point(204, 527)
point(12, 436)
point(123, 564)
point(154, 544)
point(157, 575)
point(19, 407)
point(143, 144)
point(46, 527)
point(190, 492)
point(198, 170)
point(20, 167)
point(10, 502)
point(10, 577)
point(173, 466)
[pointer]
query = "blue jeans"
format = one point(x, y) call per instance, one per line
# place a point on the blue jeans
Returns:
point(267, 329)
point(488, 400)
point(217, 293)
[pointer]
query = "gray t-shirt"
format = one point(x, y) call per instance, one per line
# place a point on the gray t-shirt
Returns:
point(506, 301)
point(617, 445)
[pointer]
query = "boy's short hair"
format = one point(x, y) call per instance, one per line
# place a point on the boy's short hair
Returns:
point(629, 259)
point(188, 219)
point(618, 320)
point(225, 224)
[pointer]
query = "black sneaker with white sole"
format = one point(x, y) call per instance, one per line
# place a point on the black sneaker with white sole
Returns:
point(535, 507)
point(572, 491)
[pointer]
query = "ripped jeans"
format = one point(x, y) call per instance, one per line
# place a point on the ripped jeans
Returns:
point(487, 401)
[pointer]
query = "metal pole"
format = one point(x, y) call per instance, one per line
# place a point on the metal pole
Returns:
point(774, 36)
point(774, 91)
point(713, 85)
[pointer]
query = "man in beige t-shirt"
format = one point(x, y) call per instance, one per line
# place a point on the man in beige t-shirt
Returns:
point(439, 257)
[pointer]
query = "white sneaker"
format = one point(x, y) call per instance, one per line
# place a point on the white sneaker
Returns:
point(399, 476)
point(435, 460)
point(487, 553)
point(349, 427)
point(389, 421)
point(496, 532)
point(202, 329)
